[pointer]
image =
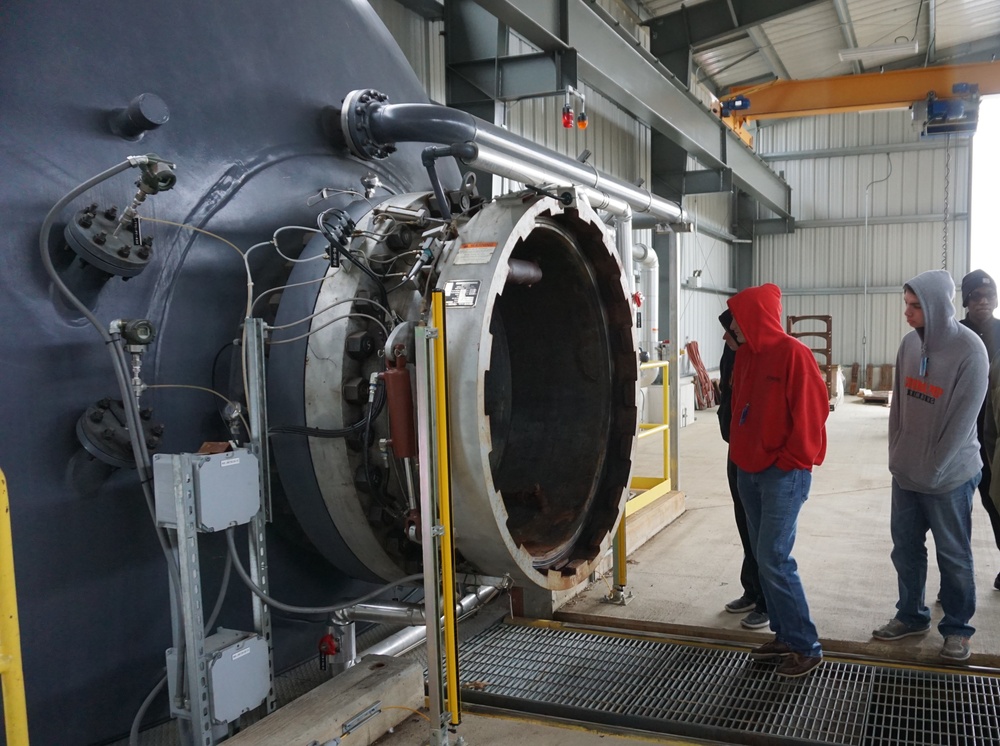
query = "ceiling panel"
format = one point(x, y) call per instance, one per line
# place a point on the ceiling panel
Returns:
point(731, 63)
point(807, 42)
point(963, 21)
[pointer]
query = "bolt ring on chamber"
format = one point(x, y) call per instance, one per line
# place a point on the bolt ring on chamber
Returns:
point(543, 388)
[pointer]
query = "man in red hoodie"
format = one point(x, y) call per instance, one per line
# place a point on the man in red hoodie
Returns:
point(778, 433)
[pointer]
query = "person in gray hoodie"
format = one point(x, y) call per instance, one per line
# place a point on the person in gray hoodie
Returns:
point(938, 388)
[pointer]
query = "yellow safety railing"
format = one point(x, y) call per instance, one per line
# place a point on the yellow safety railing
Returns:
point(650, 489)
point(15, 708)
point(654, 488)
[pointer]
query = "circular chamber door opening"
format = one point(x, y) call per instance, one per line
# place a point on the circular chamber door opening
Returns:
point(546, 395)
point(544, 441)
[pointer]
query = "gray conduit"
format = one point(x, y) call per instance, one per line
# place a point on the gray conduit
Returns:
point(371, 126)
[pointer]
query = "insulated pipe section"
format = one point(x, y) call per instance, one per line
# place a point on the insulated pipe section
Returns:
point(649, 286)
point(411, 614)
point(371, 126)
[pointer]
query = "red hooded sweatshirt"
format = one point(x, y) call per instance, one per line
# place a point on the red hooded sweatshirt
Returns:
point(780, 401)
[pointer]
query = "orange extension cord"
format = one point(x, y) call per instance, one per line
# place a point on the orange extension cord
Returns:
point(703, 394)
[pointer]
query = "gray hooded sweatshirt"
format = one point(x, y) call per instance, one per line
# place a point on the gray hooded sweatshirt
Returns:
point(937, 390)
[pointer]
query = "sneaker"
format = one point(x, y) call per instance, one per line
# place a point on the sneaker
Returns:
point(956, 648)
point(741, 605)
point(795, 665)
point(897, 630)
point(770, 651)
point(755, 620)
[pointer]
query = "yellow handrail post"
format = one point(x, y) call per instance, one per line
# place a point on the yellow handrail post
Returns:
point(15, 707)
point(666, 420)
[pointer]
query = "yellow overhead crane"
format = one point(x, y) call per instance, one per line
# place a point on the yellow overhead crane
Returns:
point(869, 91)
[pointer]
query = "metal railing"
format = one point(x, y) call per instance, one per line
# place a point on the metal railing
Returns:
point(648, 489)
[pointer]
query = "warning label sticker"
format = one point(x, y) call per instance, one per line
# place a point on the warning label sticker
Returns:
point(461, 293)
point(476, 253)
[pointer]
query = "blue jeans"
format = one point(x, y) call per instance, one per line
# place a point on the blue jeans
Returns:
point(772, 499)
point(949, 518)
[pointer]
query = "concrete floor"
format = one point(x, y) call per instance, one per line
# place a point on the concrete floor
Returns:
point(687, 573)
point(683, 577)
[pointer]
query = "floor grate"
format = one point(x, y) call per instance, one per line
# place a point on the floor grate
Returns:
point(720, 694)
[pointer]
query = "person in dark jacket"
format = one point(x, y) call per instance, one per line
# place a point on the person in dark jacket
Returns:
point(752, 599)
point(979, 298)
point(777, 434)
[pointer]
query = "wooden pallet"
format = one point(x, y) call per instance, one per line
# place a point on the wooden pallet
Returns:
point(876, 397)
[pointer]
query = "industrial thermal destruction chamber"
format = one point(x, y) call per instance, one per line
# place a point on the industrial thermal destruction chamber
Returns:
point(181, 177)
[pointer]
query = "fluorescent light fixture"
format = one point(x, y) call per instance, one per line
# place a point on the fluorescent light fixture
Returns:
point(866, 54)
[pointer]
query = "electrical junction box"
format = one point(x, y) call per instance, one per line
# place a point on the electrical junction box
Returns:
point(226, 487)
point(238, 674)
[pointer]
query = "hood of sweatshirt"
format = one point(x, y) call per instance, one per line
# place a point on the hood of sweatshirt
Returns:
point(935, 289)
point(757, 311)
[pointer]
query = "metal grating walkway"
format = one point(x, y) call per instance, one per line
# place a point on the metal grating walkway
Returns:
point(720, 694)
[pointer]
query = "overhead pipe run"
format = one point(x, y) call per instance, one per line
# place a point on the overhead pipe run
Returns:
point(370, 127)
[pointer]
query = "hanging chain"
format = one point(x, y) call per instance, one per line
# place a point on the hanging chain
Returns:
point(947, 185)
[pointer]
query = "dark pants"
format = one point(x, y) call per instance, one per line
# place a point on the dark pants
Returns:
point(984, 494)
point(749, 575)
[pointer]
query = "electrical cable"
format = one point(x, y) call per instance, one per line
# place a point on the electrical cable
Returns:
point(335, 245)
point(328, 323)
point(274, 242)
point(365, 440)
point(285, 287)
point(201, 388)
point(274, 603)
point(341, 302)
point(133, 734)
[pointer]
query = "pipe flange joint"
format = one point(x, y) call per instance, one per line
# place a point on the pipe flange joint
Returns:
point(356, 120)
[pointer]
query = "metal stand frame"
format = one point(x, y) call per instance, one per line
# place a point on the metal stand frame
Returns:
point(256, 397)
point(195, 705)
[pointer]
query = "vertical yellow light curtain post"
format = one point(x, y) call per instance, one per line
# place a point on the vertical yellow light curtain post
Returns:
point(444, 486)
point(15, 708)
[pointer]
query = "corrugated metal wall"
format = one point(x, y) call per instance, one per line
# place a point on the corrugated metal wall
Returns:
point(825, 265)
point(422, 42)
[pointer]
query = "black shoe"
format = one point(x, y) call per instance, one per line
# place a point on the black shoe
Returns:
point(755, 620)
point(741, 605)
point(996, 583)
point(795, 665)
